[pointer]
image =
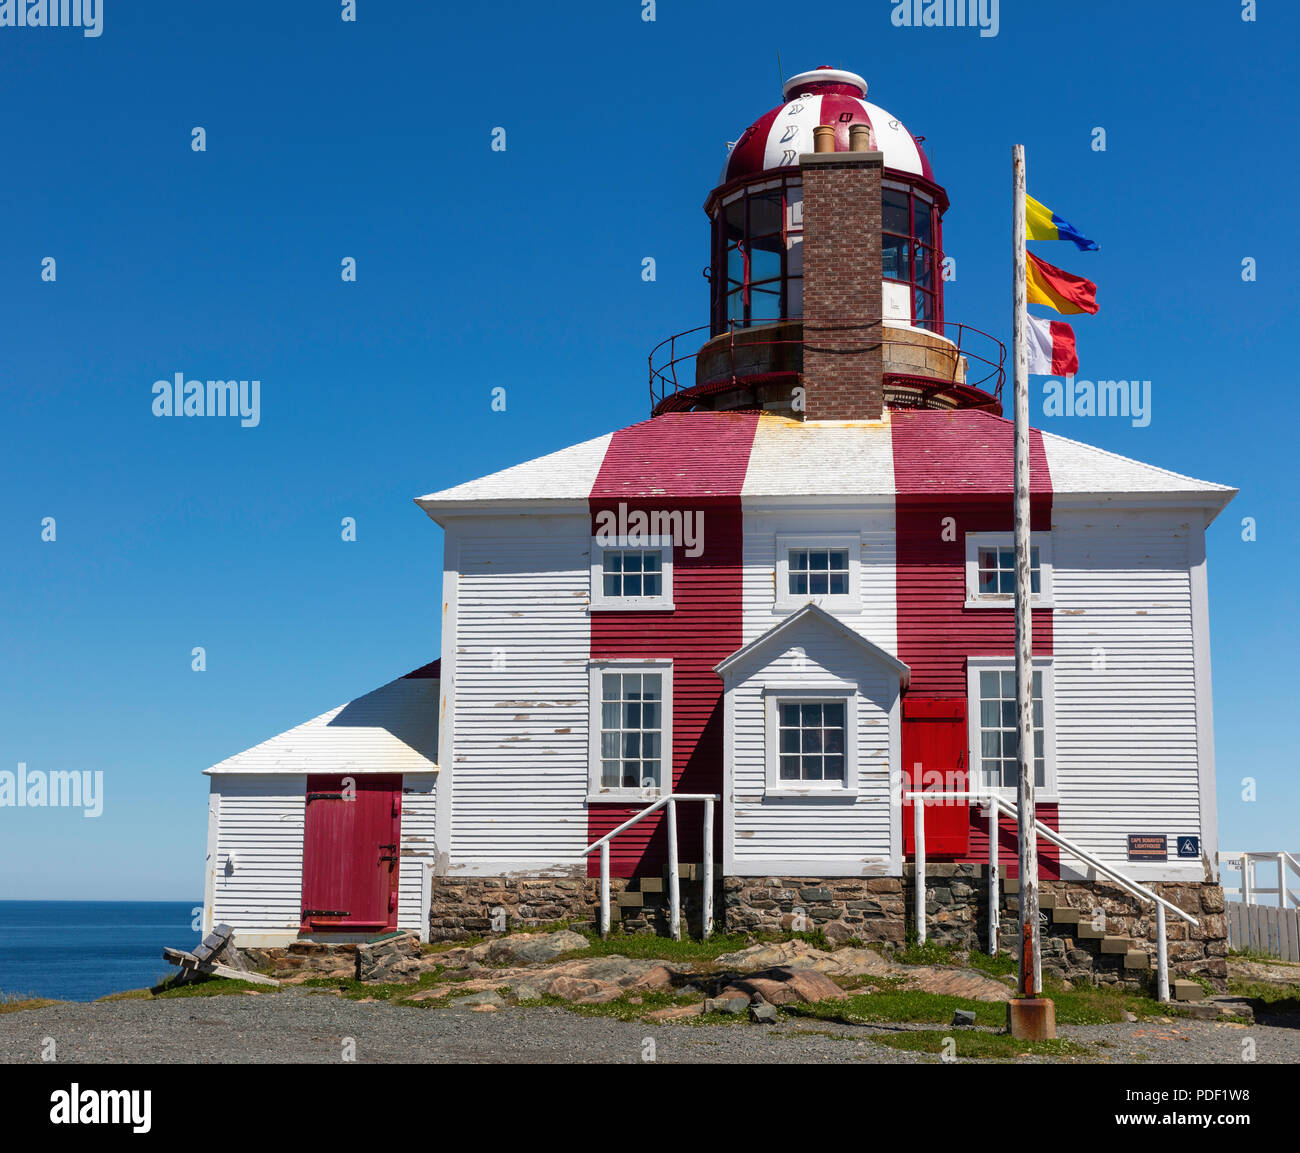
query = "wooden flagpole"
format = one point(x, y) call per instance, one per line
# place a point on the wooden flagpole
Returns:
point(1031, 973)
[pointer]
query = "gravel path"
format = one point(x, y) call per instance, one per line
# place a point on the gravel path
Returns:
point(310, 1026)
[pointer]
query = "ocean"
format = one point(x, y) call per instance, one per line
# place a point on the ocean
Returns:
point(80, 950)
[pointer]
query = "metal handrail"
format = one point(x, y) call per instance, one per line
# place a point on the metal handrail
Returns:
point(668, 801)
point(998, 804)
point(966, 340)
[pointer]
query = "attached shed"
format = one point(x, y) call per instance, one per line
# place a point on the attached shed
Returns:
point(327, 830)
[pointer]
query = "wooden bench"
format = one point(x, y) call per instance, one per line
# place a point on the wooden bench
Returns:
point(203, 959)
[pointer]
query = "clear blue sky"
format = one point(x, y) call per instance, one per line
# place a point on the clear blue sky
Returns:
point(522, 269)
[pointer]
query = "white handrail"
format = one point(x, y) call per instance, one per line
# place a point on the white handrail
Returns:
point(998, 804)
point(1249, 889)
point(674, 869)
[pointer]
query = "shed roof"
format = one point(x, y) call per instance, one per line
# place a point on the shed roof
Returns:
point(393, 729)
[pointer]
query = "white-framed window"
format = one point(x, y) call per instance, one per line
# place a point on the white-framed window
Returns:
point(634, 576)
point(994, 732)
point(810, 743)
point(631, 719)
point(991, 569)
point(825, 570)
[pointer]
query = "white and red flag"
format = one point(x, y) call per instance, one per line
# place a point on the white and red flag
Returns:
point(1051, 347)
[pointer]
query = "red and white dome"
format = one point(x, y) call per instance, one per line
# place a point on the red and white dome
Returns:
point(823, 96)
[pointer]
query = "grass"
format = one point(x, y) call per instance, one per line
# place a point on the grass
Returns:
point(18, 1002)
point(1263, 958)
point(900, 1005)
point(1281, 999)
point(979, 1045)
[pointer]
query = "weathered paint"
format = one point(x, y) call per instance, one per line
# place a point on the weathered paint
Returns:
point(953, 474)
point(689, 462)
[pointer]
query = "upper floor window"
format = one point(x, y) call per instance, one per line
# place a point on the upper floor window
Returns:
point(630, 577)
point(823, 569)
point(910, 252)
point(991, 569)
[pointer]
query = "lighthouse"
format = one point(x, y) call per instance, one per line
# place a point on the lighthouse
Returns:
point(693, 669)
point(826, 272)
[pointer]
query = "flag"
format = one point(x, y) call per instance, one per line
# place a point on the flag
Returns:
point(1051, 347)
point(1058, 289)
point(1044, 224)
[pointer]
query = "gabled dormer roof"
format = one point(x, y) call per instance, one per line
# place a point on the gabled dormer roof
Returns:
point(779, 636)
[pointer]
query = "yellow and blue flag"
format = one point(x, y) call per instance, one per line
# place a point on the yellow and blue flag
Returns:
point(1044, 224)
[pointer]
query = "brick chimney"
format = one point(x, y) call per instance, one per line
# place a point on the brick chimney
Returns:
point(842, 370)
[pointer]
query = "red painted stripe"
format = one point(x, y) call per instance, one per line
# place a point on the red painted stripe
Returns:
point(960, 465)
point(840, 112)
point(751, 149)
point(692, 462)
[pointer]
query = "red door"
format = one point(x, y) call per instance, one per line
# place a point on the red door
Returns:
point(350, 853)
point(934, 737)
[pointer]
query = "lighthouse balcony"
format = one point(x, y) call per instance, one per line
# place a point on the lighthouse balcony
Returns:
point(760, 367)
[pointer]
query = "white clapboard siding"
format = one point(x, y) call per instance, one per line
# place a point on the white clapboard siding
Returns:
point(520, 743)
point(833, 837)
point(419, 810)
point(1126, 722)
point(877, 616)
point(260, 826)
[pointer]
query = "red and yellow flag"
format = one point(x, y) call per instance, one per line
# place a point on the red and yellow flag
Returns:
point(1063, 291)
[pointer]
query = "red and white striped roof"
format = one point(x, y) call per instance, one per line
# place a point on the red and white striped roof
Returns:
point(769, 459)
point(823, 96)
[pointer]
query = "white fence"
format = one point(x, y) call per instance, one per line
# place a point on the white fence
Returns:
point(1264, 929)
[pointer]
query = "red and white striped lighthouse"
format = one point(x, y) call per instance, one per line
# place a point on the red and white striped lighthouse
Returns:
point(826, 272)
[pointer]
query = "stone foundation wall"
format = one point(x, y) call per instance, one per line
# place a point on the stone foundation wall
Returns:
point(843, 908)
point(870, 909)
point(474, 906)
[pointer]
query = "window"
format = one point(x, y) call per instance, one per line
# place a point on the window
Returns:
point(818, 572)
point(991, 570)
point(910, 252)
point(632, 576)
point(757, 273)
point(632, 572)
point(994, 729)
point(631, 729)
point(824, 569)
point(811, 741)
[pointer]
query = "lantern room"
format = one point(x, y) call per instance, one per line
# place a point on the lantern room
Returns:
point(756, 274)
point(860, 265)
